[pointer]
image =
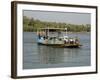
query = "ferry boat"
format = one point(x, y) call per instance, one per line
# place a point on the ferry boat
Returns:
point(58, 40)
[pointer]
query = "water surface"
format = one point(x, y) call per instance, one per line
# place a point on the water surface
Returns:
point(36, 56)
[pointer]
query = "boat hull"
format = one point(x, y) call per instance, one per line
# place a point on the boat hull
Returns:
point(62, 45)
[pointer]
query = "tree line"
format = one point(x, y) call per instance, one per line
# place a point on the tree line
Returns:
point(31, 24)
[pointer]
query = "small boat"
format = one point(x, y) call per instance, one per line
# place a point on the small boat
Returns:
point(64, 41)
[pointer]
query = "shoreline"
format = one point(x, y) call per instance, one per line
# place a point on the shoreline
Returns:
point(67, 32)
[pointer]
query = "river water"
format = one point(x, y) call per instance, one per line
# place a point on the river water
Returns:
point(36, 56)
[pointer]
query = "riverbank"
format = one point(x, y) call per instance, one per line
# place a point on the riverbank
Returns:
point(33, 25)
point(67, 32)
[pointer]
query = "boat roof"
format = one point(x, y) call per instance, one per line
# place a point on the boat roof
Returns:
point(53, 29)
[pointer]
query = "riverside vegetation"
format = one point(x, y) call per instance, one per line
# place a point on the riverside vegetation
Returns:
point(31, 24)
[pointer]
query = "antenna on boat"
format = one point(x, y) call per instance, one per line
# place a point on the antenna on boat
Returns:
point(48, 31)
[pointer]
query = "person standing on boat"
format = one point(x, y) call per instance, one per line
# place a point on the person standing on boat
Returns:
point(77, 40)
point(39, 36)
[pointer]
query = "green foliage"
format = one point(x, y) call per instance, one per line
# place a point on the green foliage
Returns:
point(30, 24)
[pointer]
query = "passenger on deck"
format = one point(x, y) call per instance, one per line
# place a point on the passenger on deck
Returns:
point(39, 36)
point(76, 41)
point(66, 41)
point(71, 41)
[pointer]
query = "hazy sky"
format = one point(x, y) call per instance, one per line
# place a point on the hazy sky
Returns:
point(65, 17)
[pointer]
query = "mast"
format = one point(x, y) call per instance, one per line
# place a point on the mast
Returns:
point(48, 31)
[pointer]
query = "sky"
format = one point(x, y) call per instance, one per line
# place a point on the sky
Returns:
point(63, 17)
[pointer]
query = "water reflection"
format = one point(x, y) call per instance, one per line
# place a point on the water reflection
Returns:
point(71, 52)
point(50, 55)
